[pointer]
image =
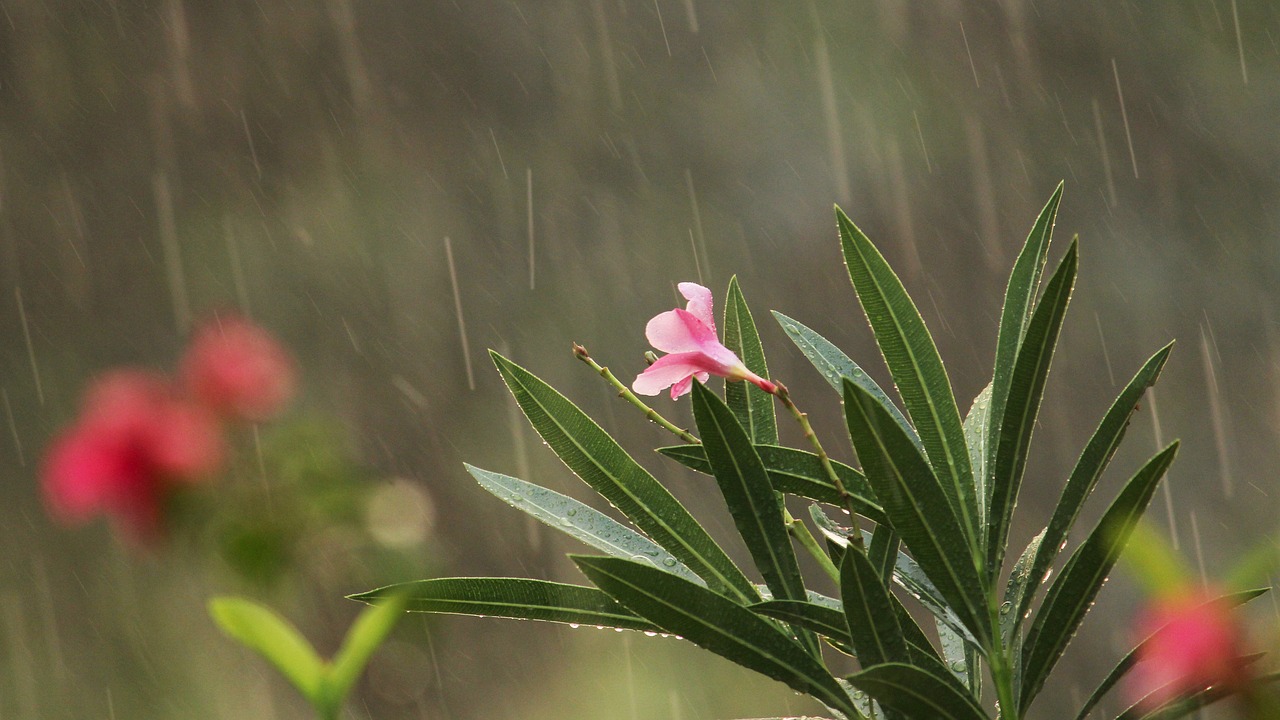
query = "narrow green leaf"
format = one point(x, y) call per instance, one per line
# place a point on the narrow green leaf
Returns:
point(917, 370)
point(715, 623)
point(260, 629)
point(755, 507)
point(514, 598)
point(1126, 663)
point(916, 506)
point(363, 639)
point(1088, 469)
point(1071, 595)
point(752, 406)
point(1019, 584)
point(961, 658)
point(834, 365)
point(580, 521)
point(1019, 299)
point(975, 437)
point(596, 458)
point(882, 551)
point(1026, 389)
point(795, 472)
point(825, 621)
point(836, 536)
point(873, 625)
point(916, 692)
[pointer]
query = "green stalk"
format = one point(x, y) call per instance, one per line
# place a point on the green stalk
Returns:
point(800, 532)
point(625, 393)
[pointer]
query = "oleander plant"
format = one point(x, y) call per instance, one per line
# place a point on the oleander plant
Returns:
point(919, 529)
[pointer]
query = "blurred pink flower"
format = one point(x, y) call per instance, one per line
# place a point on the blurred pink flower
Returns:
point(689, 336)
point(1193, 642)
point(238, 369)
point(133, 440)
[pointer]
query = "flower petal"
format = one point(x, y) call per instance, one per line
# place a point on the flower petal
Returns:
point(671, 369)
point(679, 331)
point(700, 304)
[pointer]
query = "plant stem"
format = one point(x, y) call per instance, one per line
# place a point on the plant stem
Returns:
point(784, 396)
point(1001, 666)
point(625, 393)
point(798, 530)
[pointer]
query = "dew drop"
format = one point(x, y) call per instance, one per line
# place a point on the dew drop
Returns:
point(1005, 607)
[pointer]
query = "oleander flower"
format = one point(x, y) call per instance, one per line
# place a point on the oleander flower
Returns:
point(694, 350)
point(1193, 643)
point(238, 369)
point(134, 441)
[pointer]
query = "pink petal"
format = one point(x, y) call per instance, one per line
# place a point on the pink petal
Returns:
point(671, 369)
point(682, 387)
point(700, 304)
point(679, 331)
point(238, 369)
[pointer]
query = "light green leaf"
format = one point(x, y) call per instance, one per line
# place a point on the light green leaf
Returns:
point(1088, 469)
point(916, 506)
point(795, 472)
point(596, 458)
point(363, 639)
point(260, 629)
point(917, 692)
point(715, 623)
point(834, 365)
point(1019, 584)
point(873, 624)
point(514, 598)
point(918, 372)
point(1071, 595)
point(752, 406)
point(1126, 663)
point(580, 521)
point(961, 658)
point(975, 437)
point(1183, 707)
point(1026, 389)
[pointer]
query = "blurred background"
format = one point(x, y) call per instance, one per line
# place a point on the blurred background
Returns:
point(392, 187)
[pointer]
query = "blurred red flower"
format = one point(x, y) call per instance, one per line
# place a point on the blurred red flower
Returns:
point(1193, 643)
point(238, 370)
point(134, 440)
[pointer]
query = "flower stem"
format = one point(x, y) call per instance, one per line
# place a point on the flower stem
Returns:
point(625, 393)
point(785, 397)
point(800, 532)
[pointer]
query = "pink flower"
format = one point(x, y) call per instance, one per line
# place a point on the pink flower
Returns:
point(133, 441)
point(1193, 643)
point(238, 369)
point(689, 336)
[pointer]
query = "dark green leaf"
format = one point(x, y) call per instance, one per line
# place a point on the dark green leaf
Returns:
point(260, 629)
point(756, 509)
point(917, 692)
point(596, 458)
point(1184, 707)
point(1084, 477)
point(1019, 299)
point(514, 598)
point(715, 623)
point(795, 472)
point(1071, 595)
point(961, 658)
point(580, 521)
point(835, 365)
point(882, 551)
point(1018, 419)
point(828, 622)
point(752, 406)
point(917, 370)
point(916, 506)
point(836, 537)
point(1130, 659)
point(873, 624)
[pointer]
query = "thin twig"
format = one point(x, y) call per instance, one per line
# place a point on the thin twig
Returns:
point(625, 393)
